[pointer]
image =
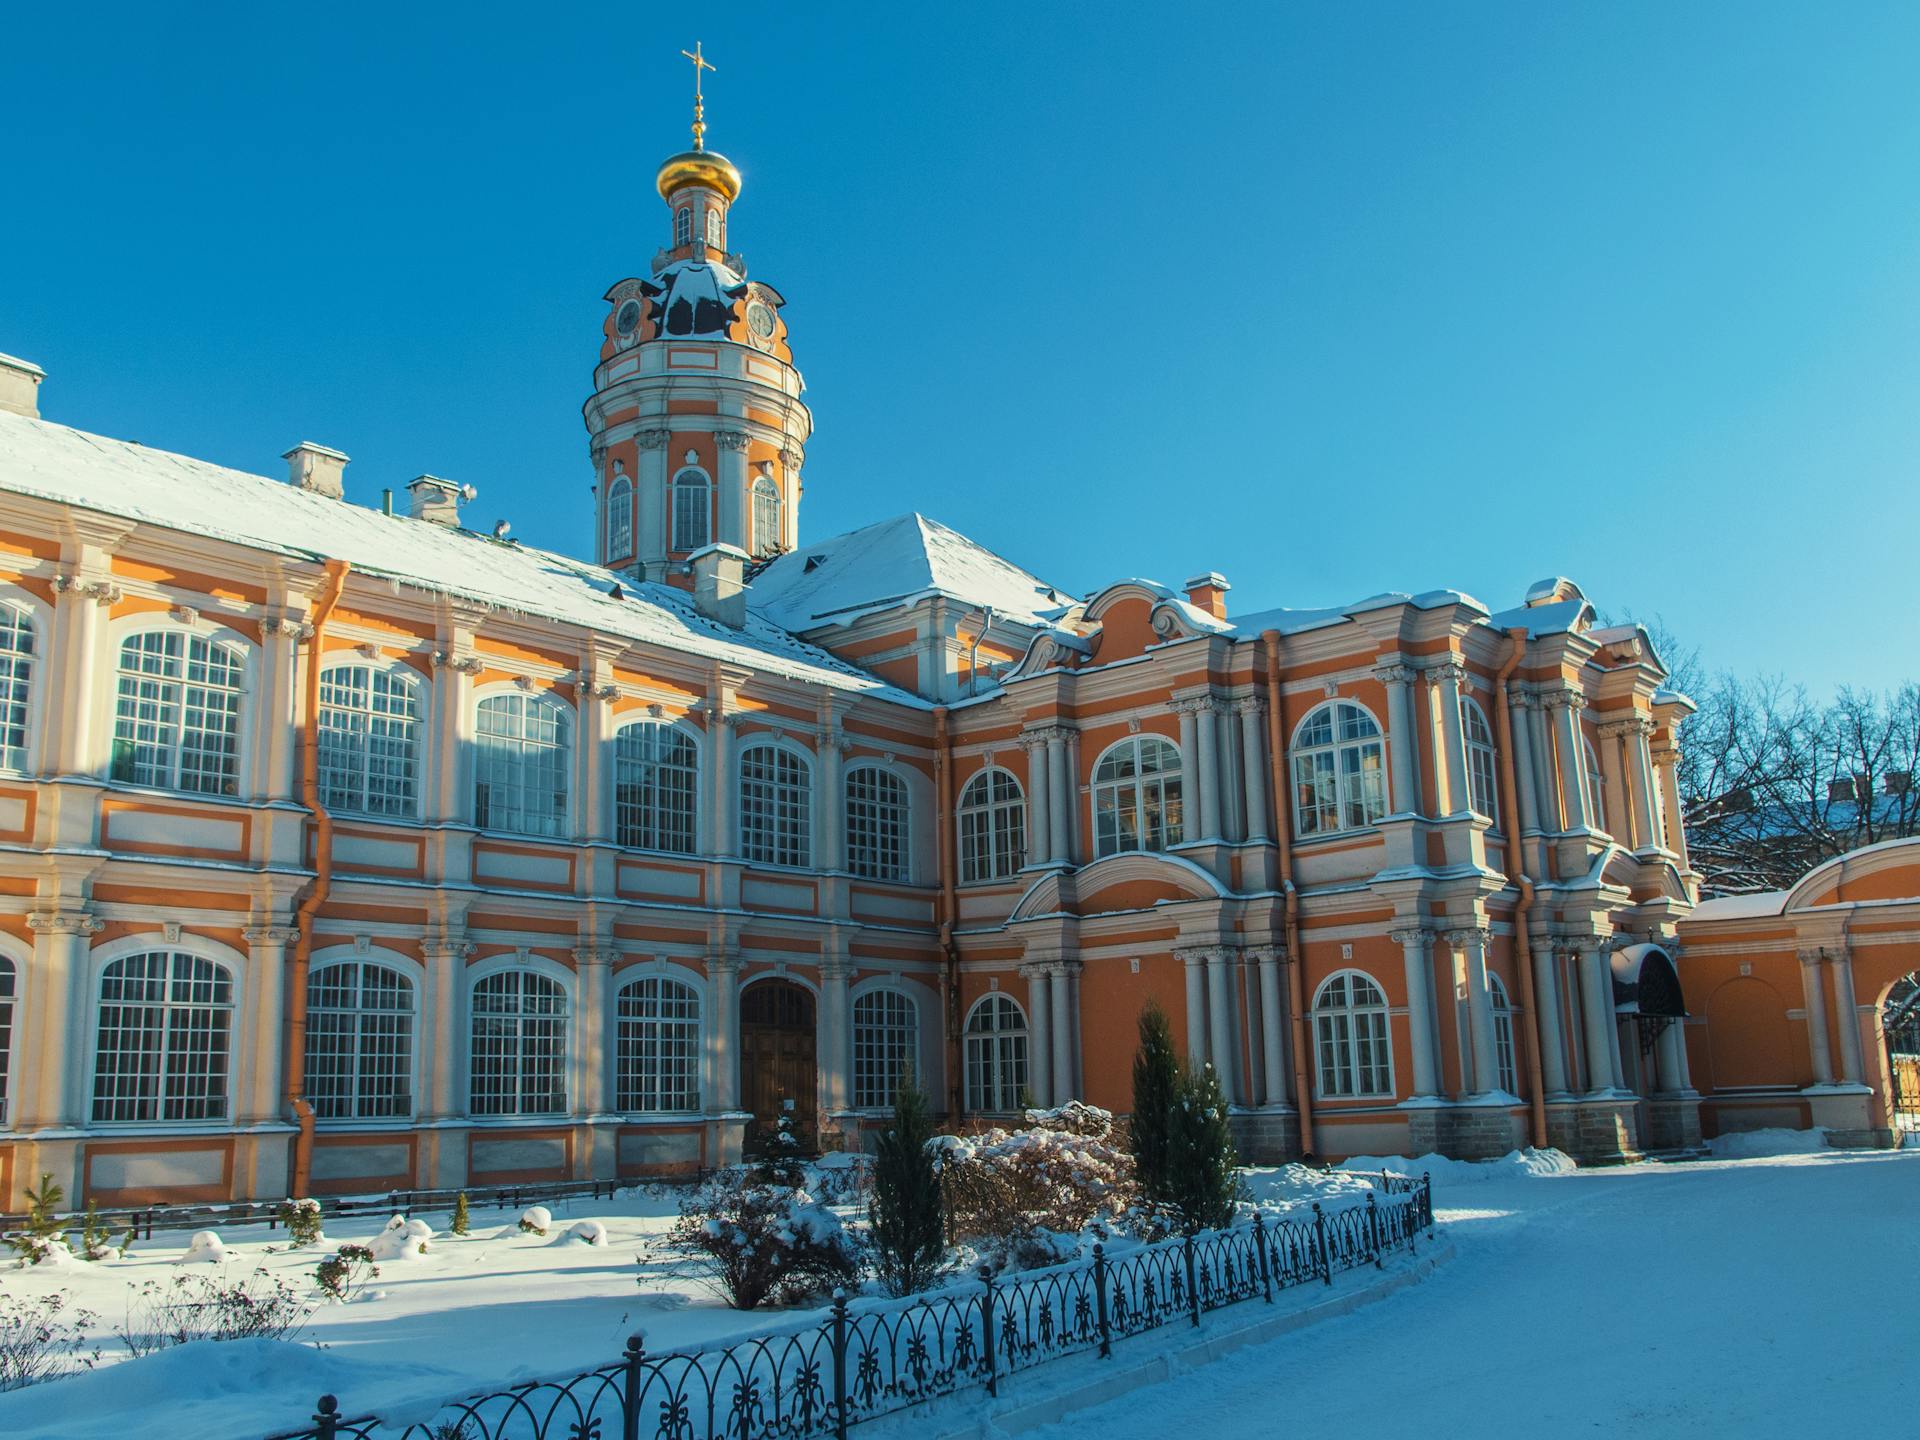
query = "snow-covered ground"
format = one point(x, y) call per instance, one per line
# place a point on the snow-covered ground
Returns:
point(1753, 1298)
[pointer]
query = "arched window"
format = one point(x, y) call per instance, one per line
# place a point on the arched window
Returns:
point(993, 826)
point(1482, 794)
point(692, 511)
point(177, 716)
point(165, 1042)
point(996, 1054)
point(876, 823)
point(16, 683)
point(369, 740)
point(1136, 796)
point(519, 1057)
point(1350, 1032)
point(359, 1042)
point(1596, 788)
point(766, 517)
point(683, 225)
point(776, 807)
point(656, 785)
point(8, 980)
point(886, 1032)
point(520, 764)
point(657, 1047)
point(619, 517)
point(713, 227)
point(1339, 780)
point(1508, 1078)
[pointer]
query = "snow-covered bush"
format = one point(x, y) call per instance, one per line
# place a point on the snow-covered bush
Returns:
point(586, 1232)
point(345, 1272)
point(204, 1247)
point(36, 1241)
point(753, 1242)
point(842, 1177)
point(207, 1307)
point(302, 1219)
point(403, 1239)
point(461, 1221)
point(536, 1220)
point(1066, 1172)
point(96, 1239)
point(39, 1340)
point(781, 1165)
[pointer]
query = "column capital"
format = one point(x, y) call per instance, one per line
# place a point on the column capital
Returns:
point(1411, 935)
point(446, 946)
point(1397, 673)
point(64, 922)
point(1450, 670)
point(1196, 705)
point(732, 439)
point(1664, 756)
point(1632, 725)
point(1265, 954)
point(1815, 954)
point(1202, 954)
point(1562, 697)
point(652, 439)
point(1031, 740)
point(101, 592)
point(1467, 935)
point(270, 935)
point(1248, 705)
point(723, 964)
point(595, 954)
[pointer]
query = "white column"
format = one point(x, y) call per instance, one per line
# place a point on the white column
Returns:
point(594, 762)
point(1540, 727)
point(1037, 824)
point(732, 480)
point(720, 780)
point(447, 800)
point(723, 1036)
point(1414, 941)
point(443, 1026)
point(266, 1017)
point(1078, 1068)
point(650, 494)
point(1188, 710)
point(1640, 782)
point(1847, 1012)
point(1666, 768)
point(1566, 704)
point(1253, 763)
point(1453, 737)
point(1194, 962)
point(1060, 810)
point(1472, 945)
point(1222, 1049)
point(1253, 1019)
point(1401, 743)
point(1619, 806)
point(80, 621)
point(1040, 1028)
point(593, 1092)
point(1062, 1034)
point(830, 801)
point(1596, 1008)
point(1273, 1025)
point(275, 725)
point(836, 1036)
point(1814, 986)
point(1667, 1064)
point(1209, 776)
point(1524, 783)
point(1546, 998)
point(1233, 789)
point(51, 1033)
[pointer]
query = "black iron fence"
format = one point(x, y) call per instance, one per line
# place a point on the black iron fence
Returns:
point(886, 1356)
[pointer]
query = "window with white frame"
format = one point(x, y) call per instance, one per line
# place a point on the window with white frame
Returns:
point(1351, 1035)
point(518, 1061)
point(657, 1047)
point(177, 713)
point(1339, 779)
point(766, 517)
point(876, 823)
point(521, 756)
point(369, 740)
point(713, 227)
point(993, 826)
point(886, 1030)
point(776, 807)
point(683, 225)
point(656, 787)
point(1508, 1078)
point(1596, 787)
point(996, 1037)
point(359, 1041)
point(1136, 796)
point(9, 979)
point(164, 1046)
point(619, 517)
point(16, 683)
point(692, 511)
point(1482, 794)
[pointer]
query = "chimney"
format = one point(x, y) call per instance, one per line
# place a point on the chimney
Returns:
point(1899, 782)
point(20, 386)
point(719, 583)
point(431, 498)
point(316, 468)
point(1839, 791)
point(1208, 592)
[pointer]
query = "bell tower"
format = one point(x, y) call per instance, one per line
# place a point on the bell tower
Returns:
point(696, 426)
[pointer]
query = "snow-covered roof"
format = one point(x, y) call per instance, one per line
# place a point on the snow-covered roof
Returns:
point(177, 492)
point(1290, 622)
point(891, 563)
point(1740, 907)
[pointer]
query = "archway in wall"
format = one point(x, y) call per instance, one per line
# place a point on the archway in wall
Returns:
point(1900, 1033)
point(778, 1061)
point(1648, 1004)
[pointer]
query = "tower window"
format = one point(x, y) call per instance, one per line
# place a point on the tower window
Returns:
point(713, 228)
point(619, 518)
point(683, 225)
point(766, 517)
point(692, 510)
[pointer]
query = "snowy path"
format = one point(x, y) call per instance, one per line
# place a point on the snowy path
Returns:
point(1751, 1298)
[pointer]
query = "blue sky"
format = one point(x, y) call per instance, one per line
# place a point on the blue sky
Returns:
point(1333, 299)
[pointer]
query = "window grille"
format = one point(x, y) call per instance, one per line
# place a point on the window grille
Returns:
point(885, 1046)
point(1339, 776)
point(1508, 1079)
point(16, 684)
point(520, 762)
point(359, 1042)
point(692, 511)
point(657, 1047)
point(776, 807)
point(619, 518)
point(876, 824)
point(1350, 1031)
point(518, 1062)
point(996, 1038)
point(177, 713)
point(8, 982)
point(766, 517)
point(164, 1045)
point(369, 741)
point(1482, 794)
point(993, 826)
point(1136, 796)
point(656, 784)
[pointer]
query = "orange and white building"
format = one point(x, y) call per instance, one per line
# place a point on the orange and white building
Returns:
point(343, 847)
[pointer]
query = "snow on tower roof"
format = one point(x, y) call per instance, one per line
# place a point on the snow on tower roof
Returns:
point(891, 563)
point(176, 492)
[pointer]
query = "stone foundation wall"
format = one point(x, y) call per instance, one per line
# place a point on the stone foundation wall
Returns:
point(1597, 1132)
point(1265, 1137)
point(1672, 1123)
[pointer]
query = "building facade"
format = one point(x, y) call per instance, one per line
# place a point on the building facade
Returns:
point(343, 849)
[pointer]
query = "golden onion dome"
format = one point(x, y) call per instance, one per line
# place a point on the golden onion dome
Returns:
point(699, 167)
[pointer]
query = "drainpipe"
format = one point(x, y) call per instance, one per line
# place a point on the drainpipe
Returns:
point(1517, 875)
point(1283, 829)
point(949, 951)
point(973, 659)
point(316, 896)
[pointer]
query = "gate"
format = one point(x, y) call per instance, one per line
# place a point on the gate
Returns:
point(1900, 1024)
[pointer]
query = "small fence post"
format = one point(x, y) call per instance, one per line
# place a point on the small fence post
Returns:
point(1100, 1299)
point(326, 1418)
point(1426, 1201)
point(630, 1391)
point(1320, 1243)
point(1373, 1230)
point(1260, 1244)
point(1193, 1289)
point(986, 1327)
point(840, 1362)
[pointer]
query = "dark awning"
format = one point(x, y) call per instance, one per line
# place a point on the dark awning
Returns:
point(1645, 983)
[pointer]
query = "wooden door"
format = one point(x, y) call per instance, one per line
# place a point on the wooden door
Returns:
point(777, 1060)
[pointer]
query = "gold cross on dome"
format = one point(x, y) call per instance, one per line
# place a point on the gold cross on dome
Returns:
point(700, 63)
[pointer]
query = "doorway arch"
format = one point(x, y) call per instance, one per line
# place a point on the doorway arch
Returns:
point(779, 1061)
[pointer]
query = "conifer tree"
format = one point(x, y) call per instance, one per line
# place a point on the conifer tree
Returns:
point(1156, 1083)
point(458, 1225)
point(44, 1228)
point(909, 1240)
point(1201, 1163)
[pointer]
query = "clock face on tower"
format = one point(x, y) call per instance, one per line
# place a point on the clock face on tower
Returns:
point(627, 318)
point(759, 321)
